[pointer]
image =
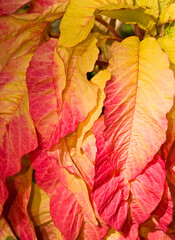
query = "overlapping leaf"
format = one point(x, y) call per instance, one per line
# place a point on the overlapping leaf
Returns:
point(49, 176)
point(10, 6)
point(21, 35)
point(73, 32)
point(161, 216)
point(25, 32)
point(69, 217)
point(65, 95)
point(53, 6)
point(15, 209)
point(5, 229)
point(114, 196)
point(39, 211)
point(140, 83)
point(168, 14)
point(17, 133)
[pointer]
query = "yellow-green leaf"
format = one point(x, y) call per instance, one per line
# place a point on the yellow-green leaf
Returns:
point(134, 16)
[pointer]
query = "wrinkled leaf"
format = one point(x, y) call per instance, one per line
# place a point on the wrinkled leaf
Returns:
point(54, 6)
point(10, 6)
point(19, 187)
point(80, 16)
point(17, 133)
point(5, 230)
point(140, 83)
point(65, 95)
point(134, 16)
point(39, 211)
point(168, 14)
point(111, 193)
point(70, 219)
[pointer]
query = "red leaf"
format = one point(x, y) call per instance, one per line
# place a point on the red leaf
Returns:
point(147, 190)
point(19, 187)
point(10, 6)
point(17, 133)
point(70, 218)
point(111, 193)
point(59, 93)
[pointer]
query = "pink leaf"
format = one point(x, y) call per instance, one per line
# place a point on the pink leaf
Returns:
point(10, 6)
point(60, 94)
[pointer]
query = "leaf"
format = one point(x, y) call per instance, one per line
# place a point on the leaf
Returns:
point(152, 7)
point(134, 16)
point(10, 6)
point(17, 132)
point(108, 192)
point(167, 43)
point(22, 38)
point(147, 190)
point(28, 31)
point(55, 6)
point(170, 134)
point(163, 4)
point(38, 206)
point(114, 196)
point(66, 96)
point(140, 83)
point(168, 14)
point(19, 187)
point(49, 176)
point(129, 232)
point(6, 231)
point(74, 224)
point(39, 211)
point(73, 32)
point(161, 217)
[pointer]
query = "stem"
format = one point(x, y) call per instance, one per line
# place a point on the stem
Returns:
point(162, 30)
point(139, 32)
point(109, 27)
point(101, 63)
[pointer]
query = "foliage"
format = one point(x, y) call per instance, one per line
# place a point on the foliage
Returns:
point(87, 157)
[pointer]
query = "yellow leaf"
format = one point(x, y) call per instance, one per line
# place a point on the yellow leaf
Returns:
point(152, 7)
point(79, 18)
point(39, 211)
point(164, 4)
point(134, 16)
point(5, 230)
point(168, 45)
point(168, 14)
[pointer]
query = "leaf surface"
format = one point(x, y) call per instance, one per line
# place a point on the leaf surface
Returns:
point(39, 211)
point(66, 96)
point(168, 14)
point(10, 6)
point(140, 82)
point(24, 36)
point(5, 229)
point(19, 187)
point(70, 219)
point(73, 32)
point(134, 16)
point(114, 196)
point(147, 190)
point(17, 132)
point(55, 6)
